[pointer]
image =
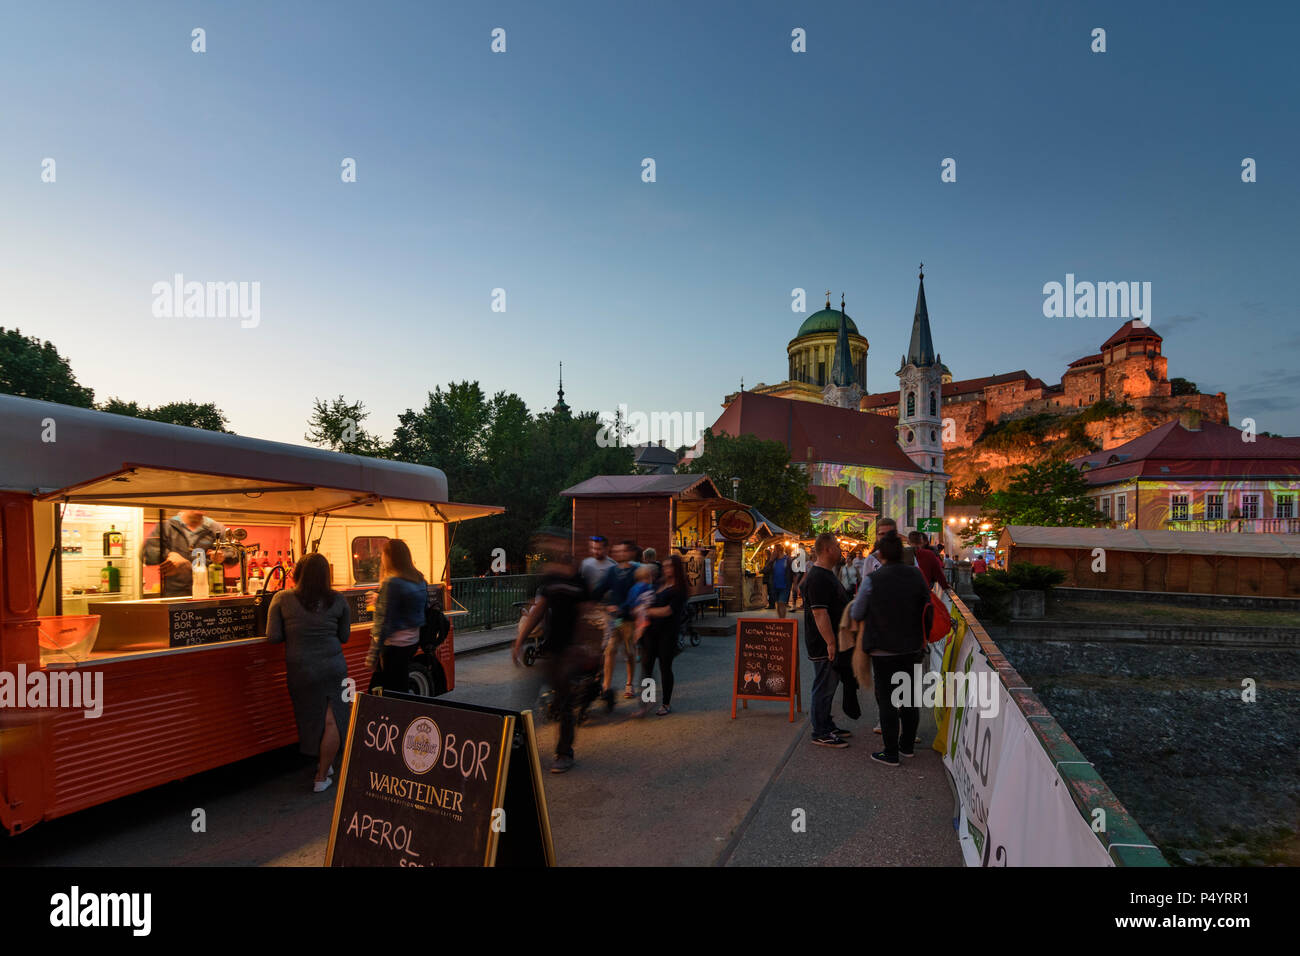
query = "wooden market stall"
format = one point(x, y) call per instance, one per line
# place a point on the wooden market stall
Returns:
point(1196, 562)
point(189, 681)
point(665, 512)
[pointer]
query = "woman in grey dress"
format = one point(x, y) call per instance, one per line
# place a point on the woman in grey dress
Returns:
point(312, 622)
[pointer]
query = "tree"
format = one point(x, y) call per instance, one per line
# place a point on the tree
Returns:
point(976, 493)
point(206, 416)
point(1180, 386)
point(35, 369)
point(768, 480)
point(336, 425)
point(1050, 494)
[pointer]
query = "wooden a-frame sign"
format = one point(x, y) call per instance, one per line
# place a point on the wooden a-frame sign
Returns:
point(433, 783)
point(767, 662)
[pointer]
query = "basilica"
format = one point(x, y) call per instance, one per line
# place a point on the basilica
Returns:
point(860, 466)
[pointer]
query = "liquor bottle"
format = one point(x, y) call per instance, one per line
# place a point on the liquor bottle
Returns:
point(216, 578)
point(254, 572)
point(279, 562)
point(113, 544)
point(199, 575)
point(110, 579)
point(76, 541)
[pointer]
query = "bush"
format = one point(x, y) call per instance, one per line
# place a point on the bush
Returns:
point(995, 588)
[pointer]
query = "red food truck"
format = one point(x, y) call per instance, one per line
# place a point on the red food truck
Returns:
point(188, 680)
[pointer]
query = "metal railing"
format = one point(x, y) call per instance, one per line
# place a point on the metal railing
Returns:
point(490, 601)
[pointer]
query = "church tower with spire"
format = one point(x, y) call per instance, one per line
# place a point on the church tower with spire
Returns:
point(561, 407)
point(920, 393)
point(843, 389)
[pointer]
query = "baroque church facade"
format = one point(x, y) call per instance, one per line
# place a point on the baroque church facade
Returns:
point(860, 466)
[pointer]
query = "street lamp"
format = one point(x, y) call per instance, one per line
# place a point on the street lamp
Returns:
point(735, 489)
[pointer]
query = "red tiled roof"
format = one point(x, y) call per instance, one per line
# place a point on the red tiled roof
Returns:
point(882, 399)
point(828, 498)
point(1170, 451)
point(842, 435)
point(1129, 331)
point(1086, 360)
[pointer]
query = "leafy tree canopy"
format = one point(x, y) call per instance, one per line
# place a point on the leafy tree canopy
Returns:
point(1049, 494)
point(193, 414)
point(336, 425)
point(35, 369)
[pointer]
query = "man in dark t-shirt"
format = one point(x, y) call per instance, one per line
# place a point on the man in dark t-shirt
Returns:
point(559, 599)
point(824, 603)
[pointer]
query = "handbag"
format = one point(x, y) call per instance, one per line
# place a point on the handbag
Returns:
point(937, 621)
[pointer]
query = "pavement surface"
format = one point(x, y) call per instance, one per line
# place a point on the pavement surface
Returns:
point(694, 788)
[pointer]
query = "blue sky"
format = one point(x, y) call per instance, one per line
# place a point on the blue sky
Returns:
point(522, 171)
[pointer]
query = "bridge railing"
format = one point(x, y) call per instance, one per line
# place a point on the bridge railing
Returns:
point(490, 601)
point(1010, 803)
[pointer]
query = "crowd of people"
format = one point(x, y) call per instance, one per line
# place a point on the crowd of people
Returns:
point(640, 599)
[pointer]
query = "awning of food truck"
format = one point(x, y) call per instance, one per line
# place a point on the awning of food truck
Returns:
point(61, 452)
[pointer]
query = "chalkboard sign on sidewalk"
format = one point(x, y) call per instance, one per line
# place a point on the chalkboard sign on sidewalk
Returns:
point(427, 783)
point(767, 662)
point(191, 624)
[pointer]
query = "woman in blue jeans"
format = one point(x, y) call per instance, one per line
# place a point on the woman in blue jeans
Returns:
point(399, 615)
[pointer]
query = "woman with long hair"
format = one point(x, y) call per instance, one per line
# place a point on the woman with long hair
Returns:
point(660, 639)
point(399, 615)
point(312, 622)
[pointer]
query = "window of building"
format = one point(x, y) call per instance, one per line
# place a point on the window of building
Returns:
point(878, 498)
point(1178, 507)
point(821, 373)
point(366, 553)
point(934, 405)
point(1250, 506)
point(1214, 507)
point(1121, 507)
point(911, 404)
point(911, 508)
point(1284, 506)
point(1105, 506)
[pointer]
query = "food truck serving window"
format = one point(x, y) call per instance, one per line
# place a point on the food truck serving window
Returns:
point(366, 553)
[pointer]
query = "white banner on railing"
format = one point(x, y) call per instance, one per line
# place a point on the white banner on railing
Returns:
point(1014, 808)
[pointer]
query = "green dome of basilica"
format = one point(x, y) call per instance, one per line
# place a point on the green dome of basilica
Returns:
point(827, 320)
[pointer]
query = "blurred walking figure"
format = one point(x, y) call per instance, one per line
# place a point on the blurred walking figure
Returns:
point(659, 643)
point(891, 602)
point(781, 580)
point(615, 591)
point(399, 615)
point(313, 624)
point(558, 602)
point(824, 603)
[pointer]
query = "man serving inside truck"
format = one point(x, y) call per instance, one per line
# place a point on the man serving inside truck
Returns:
point(172, 543)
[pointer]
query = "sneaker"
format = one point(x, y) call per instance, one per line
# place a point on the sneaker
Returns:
point(664, 711)
point(841, 733)
point(319, 786)
point(876, 729)
point(830, 740)
point(906, 753)
point(882, 757)
point(563, 763)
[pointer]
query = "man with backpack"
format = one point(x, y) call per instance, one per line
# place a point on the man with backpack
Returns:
point(892, 603)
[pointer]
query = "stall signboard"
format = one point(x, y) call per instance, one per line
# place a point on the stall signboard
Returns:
point(356, 601)
point(433, 783)
point(736, 524)
point(189, 625)
point(767, 662)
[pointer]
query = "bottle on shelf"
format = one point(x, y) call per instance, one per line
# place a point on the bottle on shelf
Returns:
point(76, 541)
point(66, 539)
point(254, 572)
point(199, 574)
point(114, 544)
point(110, 579)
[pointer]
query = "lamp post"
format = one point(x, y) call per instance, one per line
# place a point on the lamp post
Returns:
point(735, 489)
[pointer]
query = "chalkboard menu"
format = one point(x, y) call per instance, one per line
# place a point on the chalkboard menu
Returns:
point(356, 602)
point(192, 624)
point(427, 783)
point(767, 662)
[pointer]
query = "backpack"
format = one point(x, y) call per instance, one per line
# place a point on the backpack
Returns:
point(436, 626)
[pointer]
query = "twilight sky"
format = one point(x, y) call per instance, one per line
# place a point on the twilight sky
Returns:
point(522, 171)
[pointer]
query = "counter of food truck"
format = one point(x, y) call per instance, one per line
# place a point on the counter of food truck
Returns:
point(165, 623)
